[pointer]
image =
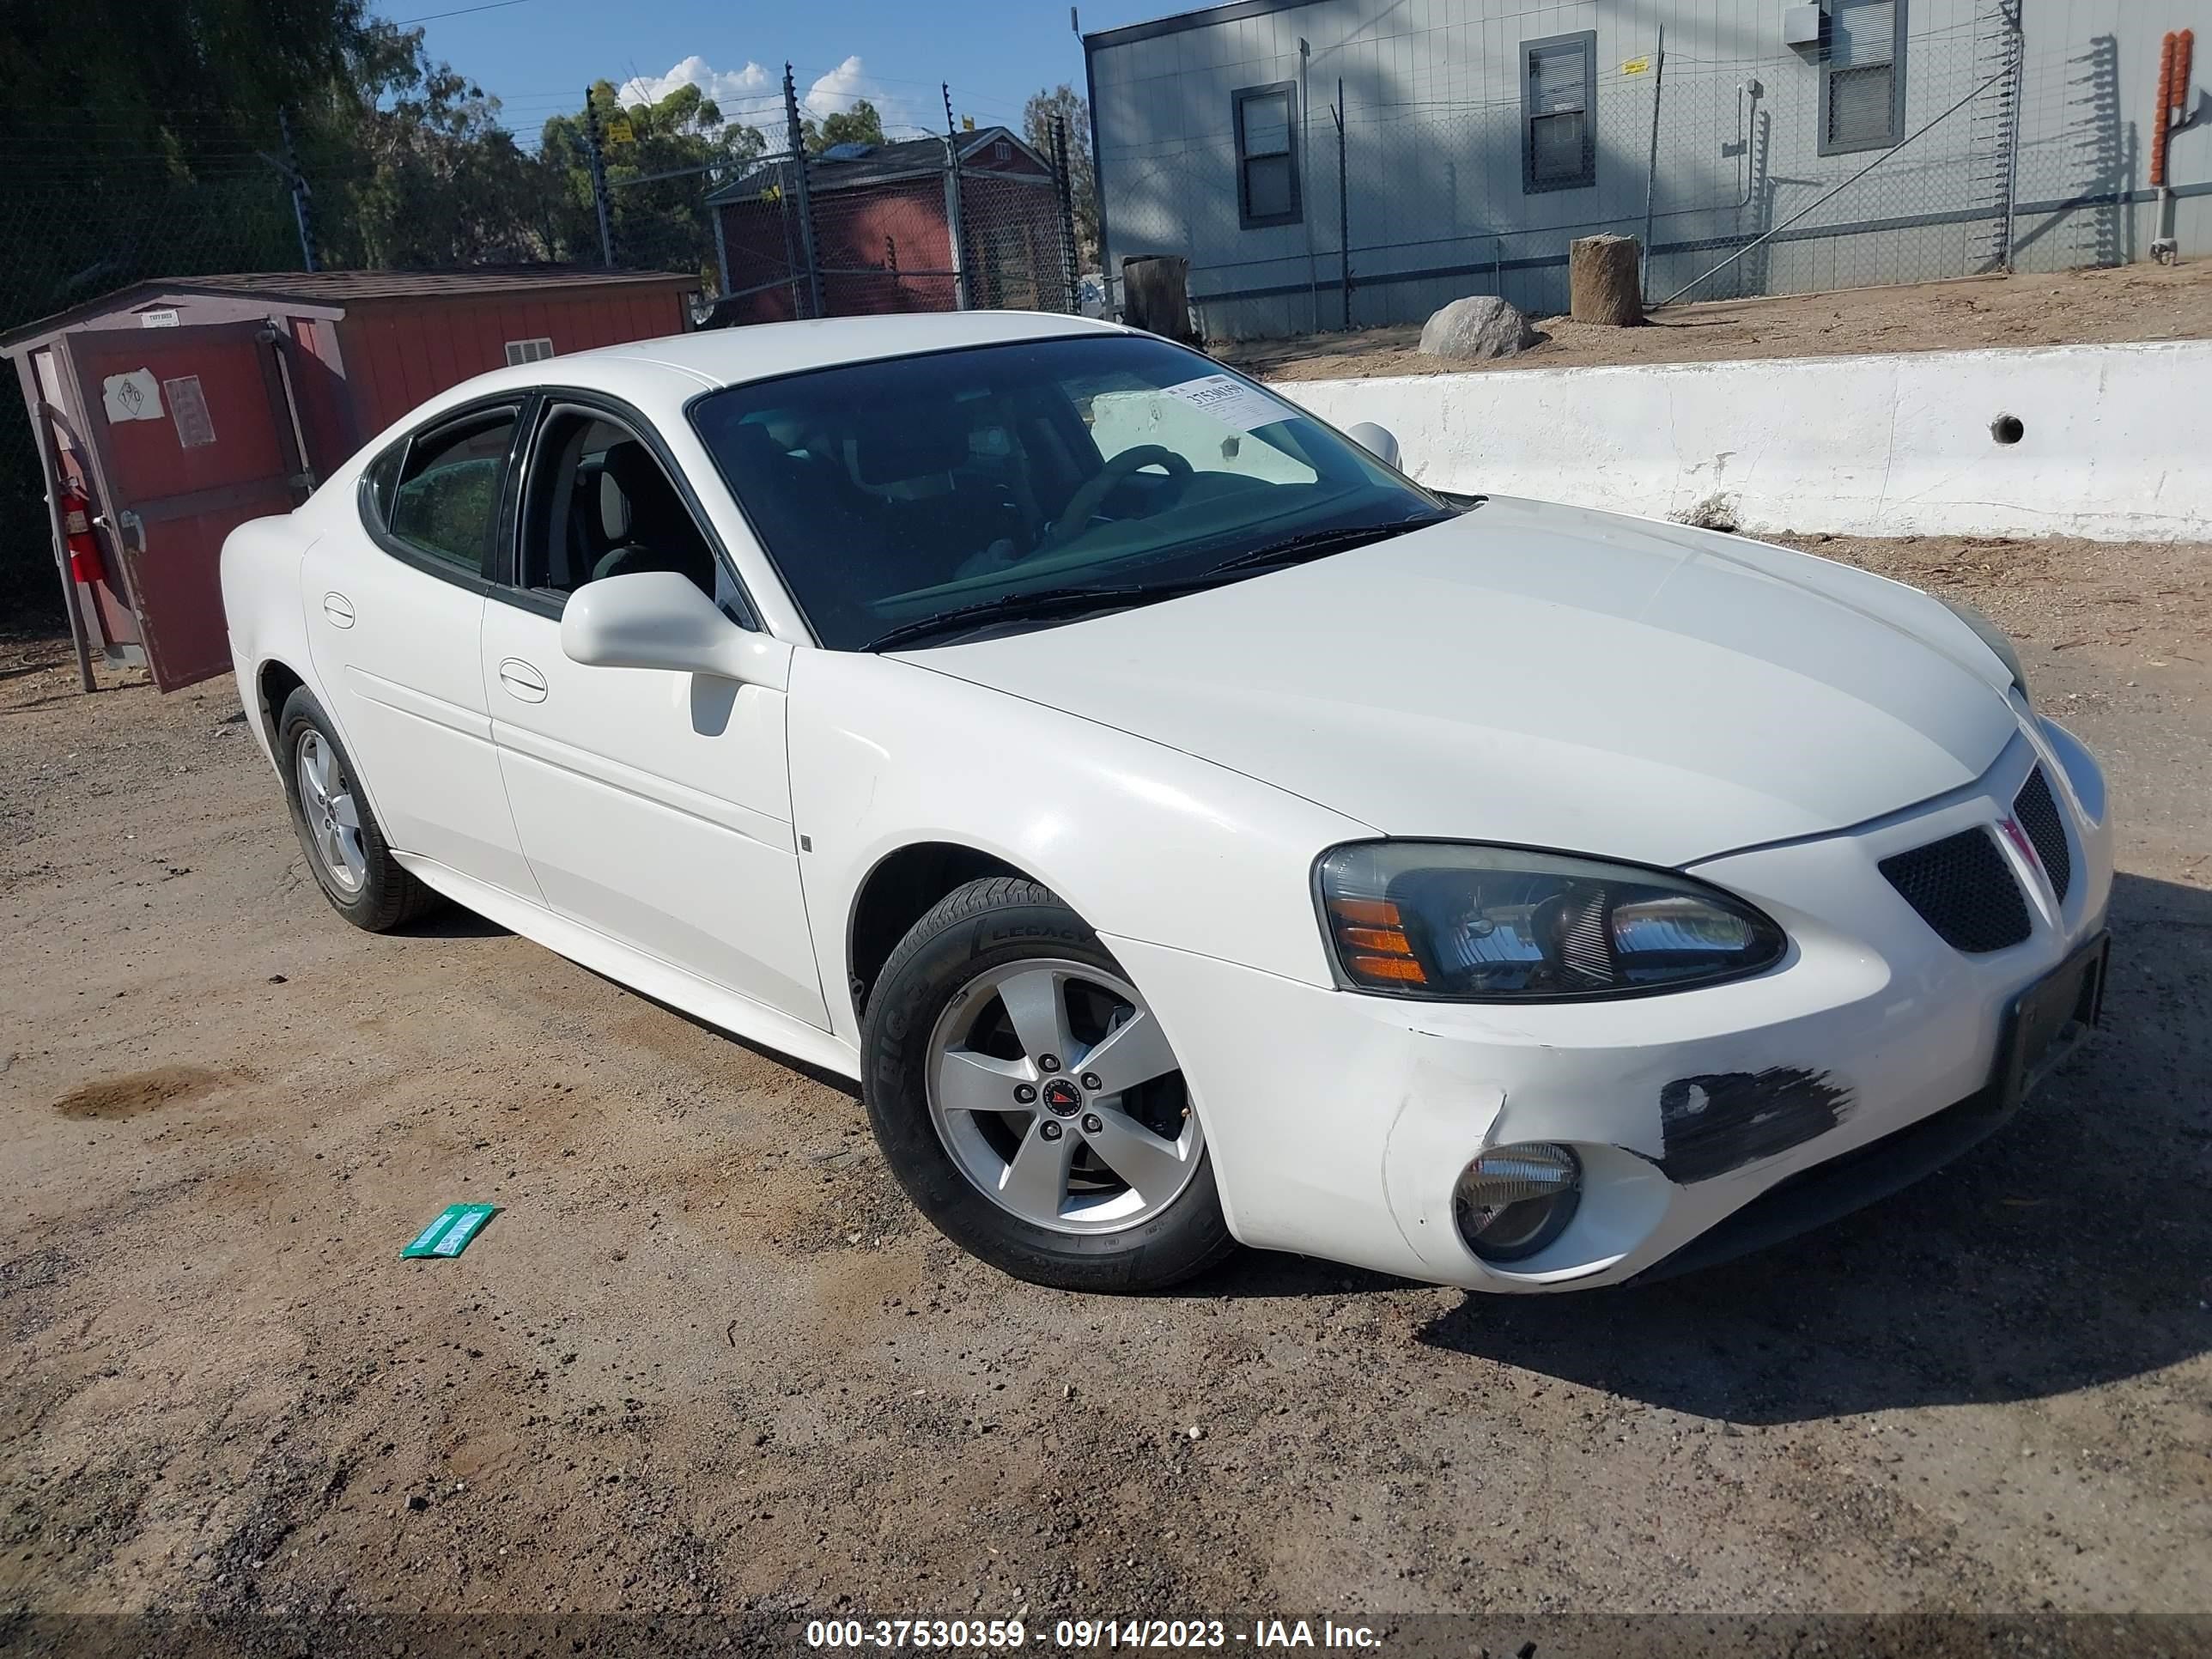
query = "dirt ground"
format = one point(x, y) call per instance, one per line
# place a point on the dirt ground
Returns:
point(708, 1360)
point(2075, 307)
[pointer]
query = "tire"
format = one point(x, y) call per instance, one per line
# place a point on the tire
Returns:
point(940, 1035)
point(363, 882)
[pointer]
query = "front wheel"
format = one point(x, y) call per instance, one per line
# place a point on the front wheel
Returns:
point(1029, 1101)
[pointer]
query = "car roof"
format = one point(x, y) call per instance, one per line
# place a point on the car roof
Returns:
point(729, 356)
point(660, 375)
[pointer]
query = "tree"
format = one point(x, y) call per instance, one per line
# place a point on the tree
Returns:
point(860, 124)
point(1065, 103)
point(141, 141)
point(656, 221)
point(416, 168)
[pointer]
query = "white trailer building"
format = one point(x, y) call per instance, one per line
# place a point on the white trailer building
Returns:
point(1479, 138)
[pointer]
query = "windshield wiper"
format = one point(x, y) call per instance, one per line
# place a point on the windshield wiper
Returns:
point(1319, 544)
point(1045, 602)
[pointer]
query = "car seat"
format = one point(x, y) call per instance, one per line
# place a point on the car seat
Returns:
point(661, 535)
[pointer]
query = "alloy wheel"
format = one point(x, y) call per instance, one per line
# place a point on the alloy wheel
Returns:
point(333, 816)
point(1054, 1090)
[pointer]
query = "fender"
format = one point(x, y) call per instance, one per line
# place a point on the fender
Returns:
point(1178, 851)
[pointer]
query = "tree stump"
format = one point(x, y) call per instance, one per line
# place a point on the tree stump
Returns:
point(1605, 280)
point(1156, 295)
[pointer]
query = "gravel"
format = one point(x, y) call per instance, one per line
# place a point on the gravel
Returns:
point(708, 1359)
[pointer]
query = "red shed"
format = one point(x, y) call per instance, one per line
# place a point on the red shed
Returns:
point(169, 412)
point(882, 240)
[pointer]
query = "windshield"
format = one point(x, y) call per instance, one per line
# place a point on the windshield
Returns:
point(894, 492)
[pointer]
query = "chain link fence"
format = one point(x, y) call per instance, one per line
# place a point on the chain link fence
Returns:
point(970, 220)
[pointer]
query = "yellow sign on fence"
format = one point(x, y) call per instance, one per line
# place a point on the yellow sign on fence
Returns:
point(1635, 66)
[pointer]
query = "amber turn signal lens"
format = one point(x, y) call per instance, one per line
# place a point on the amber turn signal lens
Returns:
point(1398, 970)
point(1387, 939)
point(1374, 943)
point(1363, 912)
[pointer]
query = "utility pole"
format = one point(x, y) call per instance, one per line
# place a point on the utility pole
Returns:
point(1305, 182)
point(1651, 167)
point(955, 226)
point(1066, 192)
point(598, 180)
point(2014, 92)
point(796, 136)
point(299, 192)
point(1343, 203)
point(945, 86)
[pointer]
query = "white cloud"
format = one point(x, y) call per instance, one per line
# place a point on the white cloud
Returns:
point(752, 96)
point(849, 82)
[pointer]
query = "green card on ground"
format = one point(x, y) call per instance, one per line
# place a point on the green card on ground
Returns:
point(449, 1235)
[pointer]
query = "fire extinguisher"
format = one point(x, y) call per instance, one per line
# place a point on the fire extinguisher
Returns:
point(85, 563)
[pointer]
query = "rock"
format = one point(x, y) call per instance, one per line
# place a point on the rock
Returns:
point(1479, 327)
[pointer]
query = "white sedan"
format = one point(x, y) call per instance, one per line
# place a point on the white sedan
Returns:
point(1184, 827)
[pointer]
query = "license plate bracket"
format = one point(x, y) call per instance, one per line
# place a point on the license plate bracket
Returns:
point(2053, 1017)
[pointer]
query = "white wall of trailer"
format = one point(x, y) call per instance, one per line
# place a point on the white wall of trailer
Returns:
point(1437, 208)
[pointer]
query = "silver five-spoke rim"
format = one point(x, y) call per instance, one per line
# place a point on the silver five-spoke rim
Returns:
point(1054, 1090)
point(333, 818)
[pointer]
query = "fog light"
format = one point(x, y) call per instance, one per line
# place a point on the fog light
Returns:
point(1513, 1201)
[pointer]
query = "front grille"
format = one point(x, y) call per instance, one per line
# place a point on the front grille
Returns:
point(2039, 814)
point(1962, 889)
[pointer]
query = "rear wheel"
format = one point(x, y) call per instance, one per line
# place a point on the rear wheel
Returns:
point(1029, 1101)
point(346, 850)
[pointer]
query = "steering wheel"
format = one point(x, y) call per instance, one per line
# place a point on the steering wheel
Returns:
point(1082, 504)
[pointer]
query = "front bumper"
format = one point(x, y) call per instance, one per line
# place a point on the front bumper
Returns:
point(1339, 1122)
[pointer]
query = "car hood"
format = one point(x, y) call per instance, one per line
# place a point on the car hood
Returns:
point(1545, 676)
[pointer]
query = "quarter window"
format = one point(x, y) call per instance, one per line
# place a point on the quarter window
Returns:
point(1559, 112)
point(1862, 76)
point(446, 506)
point(1267, 161)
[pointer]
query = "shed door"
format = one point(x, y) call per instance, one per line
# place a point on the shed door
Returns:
point(192, 433)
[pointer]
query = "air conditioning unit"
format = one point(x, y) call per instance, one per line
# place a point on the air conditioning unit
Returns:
point(1800, 26)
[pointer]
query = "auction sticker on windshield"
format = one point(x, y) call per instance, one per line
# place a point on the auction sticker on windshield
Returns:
point(1230, 401)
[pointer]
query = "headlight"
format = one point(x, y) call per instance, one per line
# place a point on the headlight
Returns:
point(1994, 637)
point(1483, 924)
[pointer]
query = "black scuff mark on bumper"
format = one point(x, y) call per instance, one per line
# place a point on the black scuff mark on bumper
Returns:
point(1723, 1121)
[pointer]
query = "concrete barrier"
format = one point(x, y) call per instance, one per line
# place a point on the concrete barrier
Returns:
point(2108, 441)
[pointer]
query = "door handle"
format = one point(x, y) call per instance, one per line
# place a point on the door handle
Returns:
point(125, 523)
point(521, 680)
point(338, 609)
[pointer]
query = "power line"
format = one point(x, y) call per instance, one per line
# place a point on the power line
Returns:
point(432, 17)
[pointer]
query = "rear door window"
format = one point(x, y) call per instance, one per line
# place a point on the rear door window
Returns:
point(447, 504)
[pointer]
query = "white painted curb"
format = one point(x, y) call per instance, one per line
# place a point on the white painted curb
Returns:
point(2116, 440)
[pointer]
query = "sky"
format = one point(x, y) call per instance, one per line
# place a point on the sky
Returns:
point(536, 56)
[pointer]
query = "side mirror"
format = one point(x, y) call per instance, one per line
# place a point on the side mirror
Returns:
point(656, 619)
point(1376, 440)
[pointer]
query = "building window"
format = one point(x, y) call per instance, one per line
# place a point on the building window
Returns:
point(1559, 112)
point(1862, 76)
point(528, 351)
point(1267, 161)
